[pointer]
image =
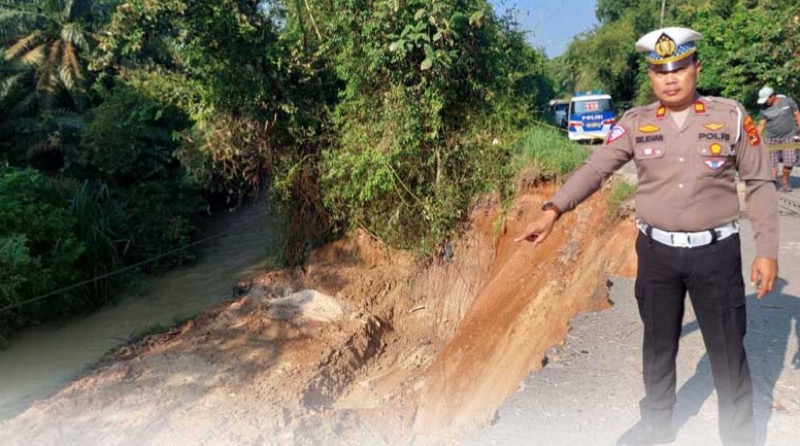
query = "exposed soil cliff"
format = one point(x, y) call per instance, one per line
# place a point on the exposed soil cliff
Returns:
point(364, 345)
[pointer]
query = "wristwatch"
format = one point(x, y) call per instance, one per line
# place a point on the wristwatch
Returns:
point(548, 205)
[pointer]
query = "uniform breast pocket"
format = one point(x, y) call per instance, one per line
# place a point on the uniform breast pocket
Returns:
point(647, 153)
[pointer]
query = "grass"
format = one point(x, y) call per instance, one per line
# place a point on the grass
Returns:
point(621, 192)
point(549, 151)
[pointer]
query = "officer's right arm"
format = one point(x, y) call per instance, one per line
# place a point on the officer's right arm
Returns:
point(606, 159)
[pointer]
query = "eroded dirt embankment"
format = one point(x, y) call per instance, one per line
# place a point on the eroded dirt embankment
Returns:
point(386, 349)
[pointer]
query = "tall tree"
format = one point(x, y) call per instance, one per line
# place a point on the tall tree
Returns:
point(47, 42)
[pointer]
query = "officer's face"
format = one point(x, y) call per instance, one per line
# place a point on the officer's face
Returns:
point(675, 89)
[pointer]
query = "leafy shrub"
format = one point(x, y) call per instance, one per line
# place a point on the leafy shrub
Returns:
point(130, 146)
point(39, 251)
point(428, 89)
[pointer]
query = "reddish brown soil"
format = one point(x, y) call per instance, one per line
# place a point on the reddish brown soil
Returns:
point(426, 348)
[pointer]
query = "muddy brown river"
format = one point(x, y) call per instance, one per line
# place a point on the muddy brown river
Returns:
point(40, 361)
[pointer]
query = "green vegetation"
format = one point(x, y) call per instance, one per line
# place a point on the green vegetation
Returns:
point(120, 122)
point(621, 192)
point(747, 43)
point(549, 151)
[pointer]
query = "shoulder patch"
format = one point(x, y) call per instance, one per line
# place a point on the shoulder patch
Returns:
point(616, 133)
point(752, 133)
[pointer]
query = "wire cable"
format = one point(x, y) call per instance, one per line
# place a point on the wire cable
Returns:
point(112, 273)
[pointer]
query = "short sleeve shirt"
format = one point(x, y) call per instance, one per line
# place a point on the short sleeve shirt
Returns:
point(780, 119)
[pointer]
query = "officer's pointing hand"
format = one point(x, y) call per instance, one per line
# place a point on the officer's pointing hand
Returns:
point(764, 273)
point(539, 228)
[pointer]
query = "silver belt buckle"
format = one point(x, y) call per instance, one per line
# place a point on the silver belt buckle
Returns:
point(681, 239)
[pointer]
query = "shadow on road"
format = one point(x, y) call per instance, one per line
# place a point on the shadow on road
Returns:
point(767, 342)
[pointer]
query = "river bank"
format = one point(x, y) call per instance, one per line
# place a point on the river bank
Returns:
point(40, 361)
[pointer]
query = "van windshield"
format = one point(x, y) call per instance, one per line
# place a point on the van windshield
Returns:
point(592, 105)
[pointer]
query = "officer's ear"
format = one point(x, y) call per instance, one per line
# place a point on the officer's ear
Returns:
point(697, 64)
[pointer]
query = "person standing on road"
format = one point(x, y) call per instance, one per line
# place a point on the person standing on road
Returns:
point(779, 115)
point(687, 149)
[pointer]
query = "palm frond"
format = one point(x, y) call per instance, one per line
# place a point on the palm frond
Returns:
point(21, 4)
point(23, 45)
point(73, 33)
point(34, 57)
point(26, 104)
point(77, 9)
point(14, 24)
point(47, 81)
point(55, 54)
point(70, 71)
point(18, 126)
point(8, 84)
point(68, 119)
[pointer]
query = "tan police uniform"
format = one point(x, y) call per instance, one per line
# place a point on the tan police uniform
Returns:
point(687, 209)
point(687, 176)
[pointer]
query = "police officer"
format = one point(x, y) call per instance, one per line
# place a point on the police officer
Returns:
point(687, 149)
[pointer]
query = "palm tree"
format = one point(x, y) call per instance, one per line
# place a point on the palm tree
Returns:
point(46, 42)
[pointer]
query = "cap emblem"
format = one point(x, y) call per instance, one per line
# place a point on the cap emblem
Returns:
point(665, 46)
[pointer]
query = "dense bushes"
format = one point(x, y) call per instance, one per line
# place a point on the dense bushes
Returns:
point(381, 114)
point(431, 91)
point(40, 247)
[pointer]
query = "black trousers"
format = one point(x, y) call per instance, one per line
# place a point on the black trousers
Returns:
point(712, 275)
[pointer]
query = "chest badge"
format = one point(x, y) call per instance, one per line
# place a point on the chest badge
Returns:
point(715, 163)
point(649, 128)
point(716, 149)
point(713, 126)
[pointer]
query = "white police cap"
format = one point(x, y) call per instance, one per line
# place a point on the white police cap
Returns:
point(668, 49)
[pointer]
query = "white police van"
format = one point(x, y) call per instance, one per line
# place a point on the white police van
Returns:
point(591, 116)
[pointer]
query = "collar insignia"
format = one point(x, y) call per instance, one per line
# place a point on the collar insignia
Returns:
point(649, 128)
point(716, 149)
point(713, 127)
point(661, 112)
point(699, 107)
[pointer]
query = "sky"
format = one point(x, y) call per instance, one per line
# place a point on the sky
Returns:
point(551, 24)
